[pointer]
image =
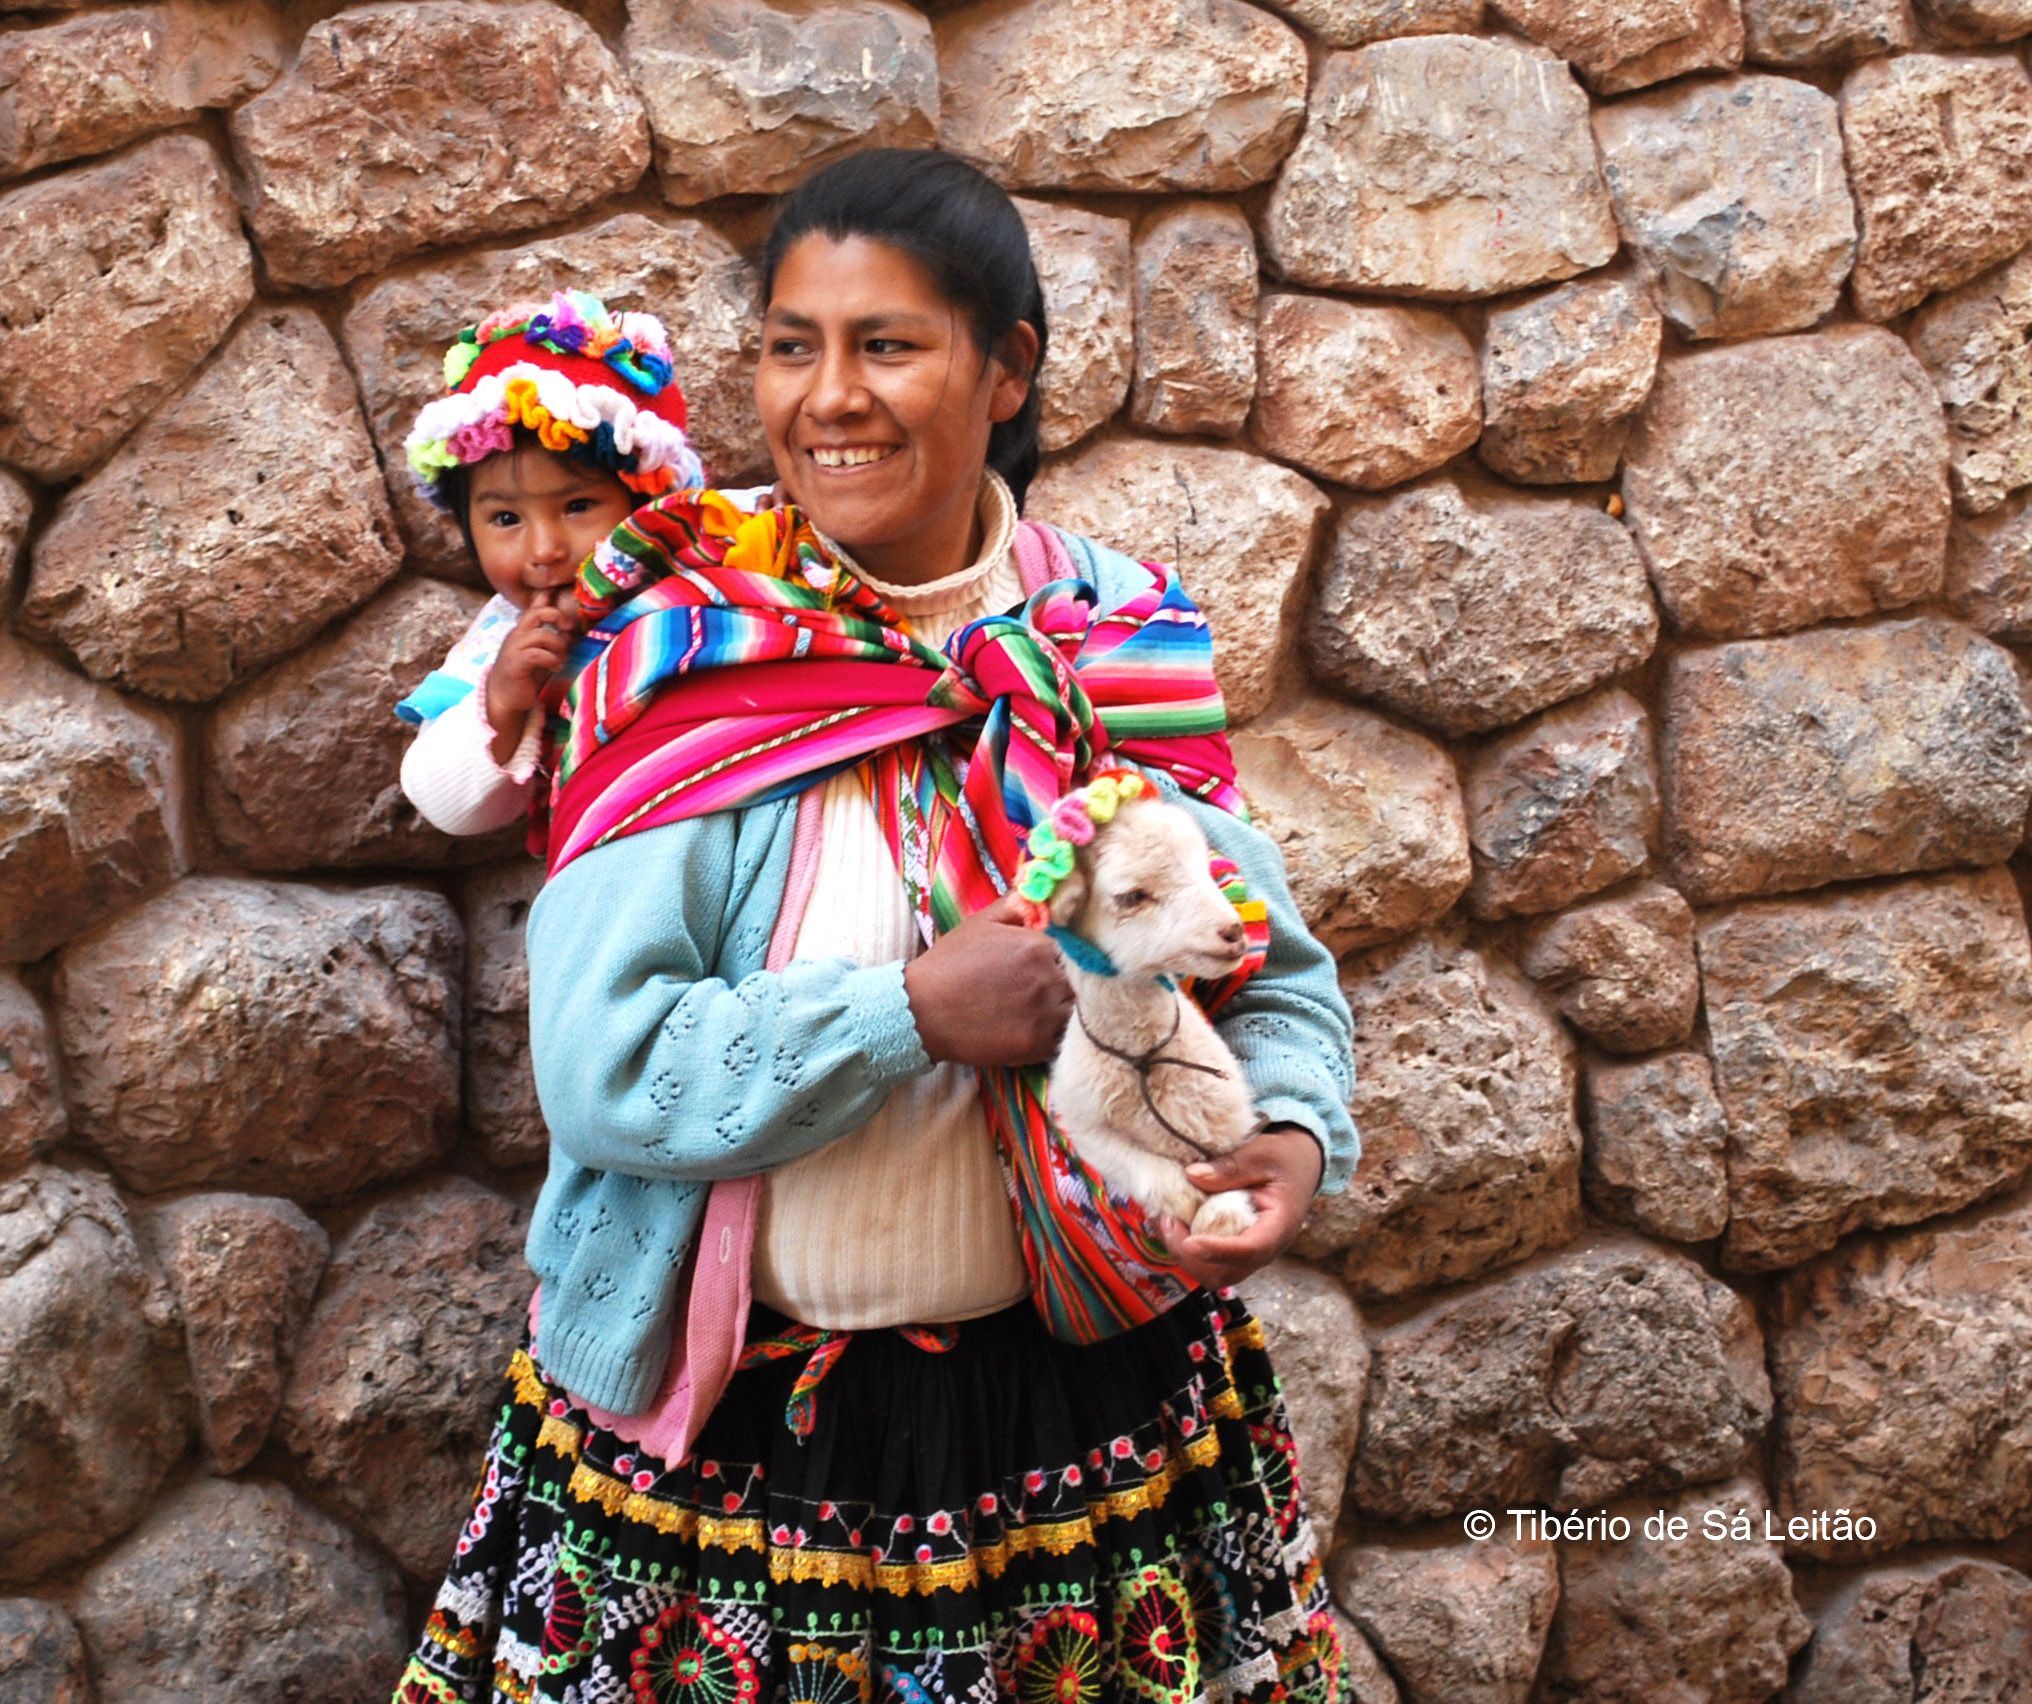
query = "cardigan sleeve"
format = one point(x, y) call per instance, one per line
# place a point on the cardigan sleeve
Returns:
point(650, 1063)
point(450, 775)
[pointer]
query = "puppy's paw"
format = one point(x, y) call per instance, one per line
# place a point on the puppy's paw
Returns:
point(1227, 1214)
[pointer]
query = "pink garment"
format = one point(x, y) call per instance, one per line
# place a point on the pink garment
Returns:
point(713, 1295)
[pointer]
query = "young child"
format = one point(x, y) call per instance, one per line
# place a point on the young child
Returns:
point(558, 420)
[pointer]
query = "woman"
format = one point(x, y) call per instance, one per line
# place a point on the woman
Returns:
point(963, 1454)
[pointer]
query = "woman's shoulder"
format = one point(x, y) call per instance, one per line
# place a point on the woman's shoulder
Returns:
point(1115, 576)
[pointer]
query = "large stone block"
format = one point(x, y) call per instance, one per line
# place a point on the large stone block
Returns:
point(1657, 1146)
point(746, 97)
point(1315, 1338)
point(394, 1388)
point(32, 1113)
point(96, 1397)
point(1353, 23)
point(1563, 375)
point(1464, 1094)
point(1775, 484)
point(42, 1659)
point(303, 765)
point(1562, 807)
point(1119, 94)
point(1625, 46)
point(266, 1036)
point(1732, 193)
point(1083, 265)
point(236, 523)
point(1975, 343)
point(1367, 814)
point(1699, 1620)
point(1800, 33)
point(241, 1594)
point(17, 509)
point(1551, 1386)
point(412, 126)
point(1465, 606)
point(1240, 530)
point(501, 1105)
point(684, 272)
point(243, 1269)
point(1363, 394)
point(1903, 1372)
point(1441, 166)
point(94, 83)
point(1464, 1624)
point(1873, 1051)
point(91, 803)
point(1195, 316)
point(1969, 21)
point(1621, 969)
point(1950, 1628)
point(1989, 569)
point(1848, 752)
point(1940, 159)
point(115, 282)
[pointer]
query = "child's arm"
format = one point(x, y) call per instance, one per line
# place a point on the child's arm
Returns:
point(452, 777)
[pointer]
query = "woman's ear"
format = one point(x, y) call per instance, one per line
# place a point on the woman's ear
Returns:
point(1068, 897)
point(1016, 364)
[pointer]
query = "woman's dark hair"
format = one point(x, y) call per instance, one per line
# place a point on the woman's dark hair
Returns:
point(965, 231)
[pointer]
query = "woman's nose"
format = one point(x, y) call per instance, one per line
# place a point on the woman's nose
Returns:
point(836, 389)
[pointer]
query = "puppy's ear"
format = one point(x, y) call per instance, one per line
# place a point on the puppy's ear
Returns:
point(1070, 895)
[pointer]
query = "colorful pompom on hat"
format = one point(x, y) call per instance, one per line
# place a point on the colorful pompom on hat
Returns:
point(589, 383)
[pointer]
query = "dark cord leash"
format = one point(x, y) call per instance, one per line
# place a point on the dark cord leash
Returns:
point(1147, 1061)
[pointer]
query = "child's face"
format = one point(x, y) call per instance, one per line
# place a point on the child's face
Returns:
point(536, 516)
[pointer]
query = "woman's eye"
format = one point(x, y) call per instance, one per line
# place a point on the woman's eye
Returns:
point(886, 346)
point(1132, 899)
point(788, 348)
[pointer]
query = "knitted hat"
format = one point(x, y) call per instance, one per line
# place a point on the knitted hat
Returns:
point(587, 383)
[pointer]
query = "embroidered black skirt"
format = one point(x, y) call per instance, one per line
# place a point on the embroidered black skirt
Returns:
point(1011, 1518)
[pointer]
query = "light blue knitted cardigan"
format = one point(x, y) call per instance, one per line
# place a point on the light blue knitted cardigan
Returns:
point(667, 1057)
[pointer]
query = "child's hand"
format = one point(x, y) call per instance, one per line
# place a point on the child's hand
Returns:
point(534, 650)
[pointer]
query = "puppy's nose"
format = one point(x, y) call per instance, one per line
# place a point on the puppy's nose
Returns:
point(1234, 937)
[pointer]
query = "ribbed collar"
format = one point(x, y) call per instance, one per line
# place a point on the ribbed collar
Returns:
point(997, 512)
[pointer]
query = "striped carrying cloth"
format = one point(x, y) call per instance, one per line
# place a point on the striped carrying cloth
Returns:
point(730, 661)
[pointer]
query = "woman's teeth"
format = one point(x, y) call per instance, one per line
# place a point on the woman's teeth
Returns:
point(851, 458)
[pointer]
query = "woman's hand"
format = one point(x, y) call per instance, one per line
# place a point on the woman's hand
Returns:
point(990, 992)
point(535, 649)
point(1280, 1168)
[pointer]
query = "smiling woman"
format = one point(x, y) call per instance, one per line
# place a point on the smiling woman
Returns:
point(847, 1378)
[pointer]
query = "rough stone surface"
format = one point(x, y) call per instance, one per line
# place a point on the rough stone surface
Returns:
point(1464, 1092)
point(1954, 1629)
point(1873, 1050)
point(1315, 1339)
point(91, 789)
point(91, 84)
point(1466, 607)
point(1621, 969)
point(243, 1269)
point(402, 127)
point(1363, 1675)
point(745, 97)
point(1989, 569)
point(1971, 21)
point(256, 1035)
point(501, 1103)
point(1849, 752)
point(1441, 166)
point(1353, 23)
point(1698, 1620)
point(1461, 1625)
point(1563, 375)
point(1903, 1372)
point(88, 1353)
point(392, 1396)
point(1241, 532)
point(1732, 193)
point(241, 1594)
point(1617, 47)
point(228, 530)
point(1367, 814)
point(1940, 159)
point(1657, 1142)
point(1120, 94)
point(31, 1103)
point(1562, 807)
point(1083, 263)
point(1795, 34)
point(303, 765)
point(17, 509)
point(1975, 343)
point(1620, 1368)
point(682, 271)
point(1364, 394)
point(42, 1659)
point(1775, 484)
point(1195, 314)
point(117, 280)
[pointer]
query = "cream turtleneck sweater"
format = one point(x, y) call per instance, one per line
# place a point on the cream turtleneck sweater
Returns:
point(906, 1220)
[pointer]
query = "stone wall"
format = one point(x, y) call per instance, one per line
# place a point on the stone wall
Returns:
point(1603, 438)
